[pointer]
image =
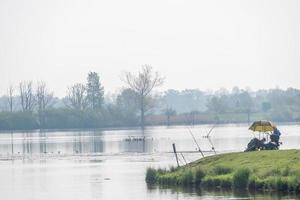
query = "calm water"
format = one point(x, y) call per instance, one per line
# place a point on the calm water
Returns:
point(111, 164)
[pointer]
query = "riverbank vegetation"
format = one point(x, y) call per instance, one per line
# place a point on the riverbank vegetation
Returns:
point(259, 170)
point(30, 105)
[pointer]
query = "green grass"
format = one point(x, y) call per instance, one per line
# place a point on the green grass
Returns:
point(262, 170)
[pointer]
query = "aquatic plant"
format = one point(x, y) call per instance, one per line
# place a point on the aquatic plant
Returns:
point(151, 176)
point(240, 178)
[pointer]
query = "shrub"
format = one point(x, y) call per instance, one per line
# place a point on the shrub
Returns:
point(226, 181)
point(167, 180)
point(285, 171)
point(282, 184)
point(294, 183)
point(199, 175)
point(151, 176)
point(255, 183)
point(208, 181)
point(241, 178)
point(220, 170)
point(277, 183)
point(173, 169)
point(161, 171)
point(186, 178)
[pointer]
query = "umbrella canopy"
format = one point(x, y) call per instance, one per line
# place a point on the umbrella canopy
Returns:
point(262, 126)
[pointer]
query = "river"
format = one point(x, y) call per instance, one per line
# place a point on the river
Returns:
point(111, 164)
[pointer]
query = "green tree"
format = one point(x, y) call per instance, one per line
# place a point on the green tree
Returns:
point(95, 91)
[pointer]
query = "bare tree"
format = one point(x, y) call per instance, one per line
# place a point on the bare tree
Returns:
point(10, 98)
point(26, 96)
point(77, 96)
point(43, 99)
point(143, 83)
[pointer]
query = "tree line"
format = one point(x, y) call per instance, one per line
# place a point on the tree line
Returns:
point(33, 106)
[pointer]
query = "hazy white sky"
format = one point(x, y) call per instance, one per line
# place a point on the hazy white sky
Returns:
point(195, 44)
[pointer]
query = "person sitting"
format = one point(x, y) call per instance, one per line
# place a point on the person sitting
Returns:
point(271, 146)
point(275, 136)
point(274, 143)
point(256, 144)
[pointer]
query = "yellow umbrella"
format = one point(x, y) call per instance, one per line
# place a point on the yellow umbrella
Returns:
point(262, 126)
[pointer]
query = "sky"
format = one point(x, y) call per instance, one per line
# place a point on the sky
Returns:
point(193, 43)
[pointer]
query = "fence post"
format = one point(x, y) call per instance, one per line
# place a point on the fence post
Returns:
point(174, 150)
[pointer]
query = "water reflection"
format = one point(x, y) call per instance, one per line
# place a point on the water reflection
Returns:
point(154, 140)
point(42, 141)
point(27, 143)
point(96, 144)
point(206, 193)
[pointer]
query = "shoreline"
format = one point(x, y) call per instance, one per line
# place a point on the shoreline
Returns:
point(260, 171)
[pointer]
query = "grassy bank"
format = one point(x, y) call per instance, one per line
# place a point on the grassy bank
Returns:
point(260, 170)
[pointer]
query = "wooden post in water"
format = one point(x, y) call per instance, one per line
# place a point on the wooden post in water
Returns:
point(174, 149)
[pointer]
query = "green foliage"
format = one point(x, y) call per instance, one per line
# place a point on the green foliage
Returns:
point(277, 183)
point(224, 181)
point(286, 171)
point(199, 175)
point(151, 176)
point(255, 183)
point(220, 170)
point(186, 178)
point(173, 169)
point(240, 178)
point(252, 170)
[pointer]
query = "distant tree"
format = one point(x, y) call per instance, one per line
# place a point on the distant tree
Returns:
point(10, 98)
point(127, 101)
point(246, 104)
point(266, 106)
point(216, 105)
point(127, 106)
point(95, 91)
point(169, 112)
point(27, 97)
point(43, 99)
point(143, 83)
point(76, 97)
point(235, 90)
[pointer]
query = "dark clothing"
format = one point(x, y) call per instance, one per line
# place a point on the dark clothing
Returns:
point(271, 146)
point(275, 136)
point(255, 144)
point(276, 132)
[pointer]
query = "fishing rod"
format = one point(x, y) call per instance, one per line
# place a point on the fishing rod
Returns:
point(199, 149)
point(191, 133)
point(210, 130)
point(212, 145)
point(208, 137)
